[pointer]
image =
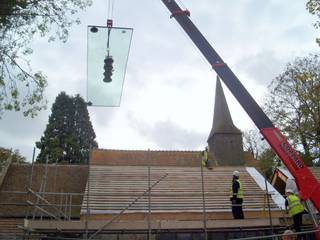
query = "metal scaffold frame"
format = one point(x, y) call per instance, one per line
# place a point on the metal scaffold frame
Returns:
point(63, 211)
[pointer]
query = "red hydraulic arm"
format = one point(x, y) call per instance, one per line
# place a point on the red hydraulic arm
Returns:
point(307, 183)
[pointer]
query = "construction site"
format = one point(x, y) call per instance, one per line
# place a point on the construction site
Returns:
point(148, 194)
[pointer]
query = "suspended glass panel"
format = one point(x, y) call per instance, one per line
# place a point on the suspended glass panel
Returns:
point(108, 50)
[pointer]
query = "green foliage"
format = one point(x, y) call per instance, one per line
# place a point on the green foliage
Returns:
point(294, 105)
point(15, 156)
point(268, 162)
point(313, 7)
point(69, 135)
point(21, 88)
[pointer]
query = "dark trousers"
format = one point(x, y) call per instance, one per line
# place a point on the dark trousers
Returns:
point(297, 222)
point(237, 208)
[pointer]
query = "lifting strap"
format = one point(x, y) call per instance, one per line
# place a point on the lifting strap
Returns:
point(180, 12)
point(218, 65)
point(110, 13)
point(109, 23)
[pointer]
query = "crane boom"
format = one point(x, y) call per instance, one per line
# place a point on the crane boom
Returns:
point(307, 183)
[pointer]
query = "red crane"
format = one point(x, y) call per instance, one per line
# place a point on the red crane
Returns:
point(307, 183)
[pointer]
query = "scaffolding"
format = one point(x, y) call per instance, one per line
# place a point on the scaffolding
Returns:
point(41, 208)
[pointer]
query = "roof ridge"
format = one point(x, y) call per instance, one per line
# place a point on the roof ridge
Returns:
point(139, 150)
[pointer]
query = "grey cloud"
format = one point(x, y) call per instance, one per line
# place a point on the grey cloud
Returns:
point(102, 116)
point(262, 68)
point(160, 47)
point(21, 133)
point(167, 134)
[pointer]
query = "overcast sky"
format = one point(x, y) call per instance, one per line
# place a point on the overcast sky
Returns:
point(168, 95)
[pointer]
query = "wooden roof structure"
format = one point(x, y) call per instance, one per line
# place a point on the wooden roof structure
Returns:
point(113, 185)
point(119, 178)
point(61, 181)
point(113, 157)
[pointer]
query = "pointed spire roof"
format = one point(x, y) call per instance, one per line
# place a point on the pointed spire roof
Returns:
point(222, 121)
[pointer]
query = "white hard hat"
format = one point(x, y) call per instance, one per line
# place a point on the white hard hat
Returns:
point(288, 232)
point(289, 190)
point(236, 173)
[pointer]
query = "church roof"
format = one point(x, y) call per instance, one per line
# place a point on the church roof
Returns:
point(61, 179)
point(118, 177)
point(113, 188)
point(175, 158)
point(144, 158)
point(114, 184)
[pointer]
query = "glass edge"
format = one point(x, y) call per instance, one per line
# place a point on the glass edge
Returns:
point(108, 27)
point(126, 65)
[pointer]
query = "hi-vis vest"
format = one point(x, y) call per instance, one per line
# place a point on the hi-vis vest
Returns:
point(205, 155)
point(204, 158)
point(240, 190)
point(294, 205)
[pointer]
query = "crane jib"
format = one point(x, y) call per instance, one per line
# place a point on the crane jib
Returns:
point(306, 181)
point(216, 62)
point(292, 153)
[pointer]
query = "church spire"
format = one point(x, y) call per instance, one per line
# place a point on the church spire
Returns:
point(225, 140)
point(222, 121)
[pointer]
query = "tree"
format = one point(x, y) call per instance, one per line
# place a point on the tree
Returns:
point(294, 105)
point(313, 7)
point(69, 135)
point(253, 143)
point(268, 162)
point(15, 156)
point(21, 88)
point(260, 150)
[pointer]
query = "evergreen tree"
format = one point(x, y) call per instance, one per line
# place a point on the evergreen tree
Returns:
point(69, 134)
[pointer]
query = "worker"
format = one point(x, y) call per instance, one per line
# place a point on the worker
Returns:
point(295, 209)
point(205, 158)
point(291, 184)
point(236, 196)
point(289, 235)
